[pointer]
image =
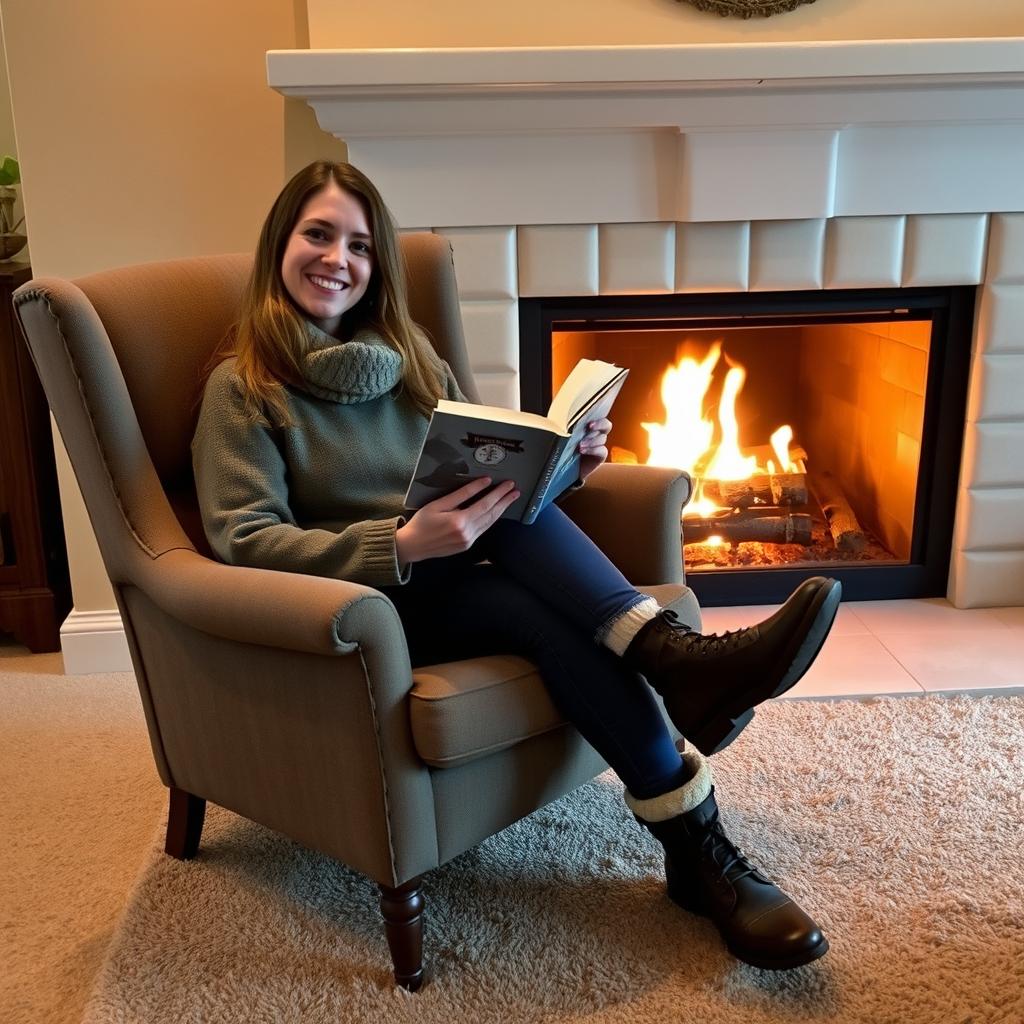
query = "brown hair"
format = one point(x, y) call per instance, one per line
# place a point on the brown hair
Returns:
point(270, 337)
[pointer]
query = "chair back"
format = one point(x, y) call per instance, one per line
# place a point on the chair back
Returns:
point(121, 355)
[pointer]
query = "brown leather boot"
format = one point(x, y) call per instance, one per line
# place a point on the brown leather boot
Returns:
point(708, 875)
point(711, 684)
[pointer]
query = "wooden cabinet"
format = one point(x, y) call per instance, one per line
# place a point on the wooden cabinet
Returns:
point(35, 593)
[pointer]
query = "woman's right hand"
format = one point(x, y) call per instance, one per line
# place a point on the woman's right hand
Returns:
point(441, 527)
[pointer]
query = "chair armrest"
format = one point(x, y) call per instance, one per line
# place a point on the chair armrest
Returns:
point(274, 609)
point(632, 513)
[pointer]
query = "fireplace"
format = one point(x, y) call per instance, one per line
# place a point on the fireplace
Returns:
point(687, 172)
point(868, 388)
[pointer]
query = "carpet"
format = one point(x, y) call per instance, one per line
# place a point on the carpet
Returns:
point(897, 823)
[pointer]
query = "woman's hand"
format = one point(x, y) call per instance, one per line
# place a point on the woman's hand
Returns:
point(441, 527)
point(594, 446)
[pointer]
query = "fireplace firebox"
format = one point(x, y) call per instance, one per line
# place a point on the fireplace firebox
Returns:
point(823, 430)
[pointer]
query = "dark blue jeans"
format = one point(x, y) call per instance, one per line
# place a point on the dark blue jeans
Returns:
point(546, 595)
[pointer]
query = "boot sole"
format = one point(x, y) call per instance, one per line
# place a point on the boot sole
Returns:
point(720, 731)
point(805, 956)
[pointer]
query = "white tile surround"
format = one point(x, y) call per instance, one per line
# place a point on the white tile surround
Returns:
point(845, 252)
point(662, 175)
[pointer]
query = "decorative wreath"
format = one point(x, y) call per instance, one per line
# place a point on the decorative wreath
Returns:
point(747, 8)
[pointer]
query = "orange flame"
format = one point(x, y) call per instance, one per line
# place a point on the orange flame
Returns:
point(684, 439)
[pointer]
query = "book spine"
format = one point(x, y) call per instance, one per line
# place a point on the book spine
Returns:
point(533, 506)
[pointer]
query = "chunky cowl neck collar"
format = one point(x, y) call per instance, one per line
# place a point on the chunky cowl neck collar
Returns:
point(349, 372)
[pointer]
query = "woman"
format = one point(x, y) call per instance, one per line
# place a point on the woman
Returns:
point(311, 422)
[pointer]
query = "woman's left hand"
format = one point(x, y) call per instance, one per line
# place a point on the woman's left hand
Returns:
point(594, 446)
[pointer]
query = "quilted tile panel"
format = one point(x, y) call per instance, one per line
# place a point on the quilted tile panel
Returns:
point(485, 261)
point(712, 257)
point(864, 252)
point(492, 335)
point(787, 254)
point(636, 259)
point(944, 249)
point(557, 259)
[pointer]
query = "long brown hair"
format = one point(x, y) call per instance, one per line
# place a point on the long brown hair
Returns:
point(270, 337)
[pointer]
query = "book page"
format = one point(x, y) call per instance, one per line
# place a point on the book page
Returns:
point(499, 415)
point(587, 379)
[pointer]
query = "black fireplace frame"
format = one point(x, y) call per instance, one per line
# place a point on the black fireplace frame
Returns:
point(951, 310)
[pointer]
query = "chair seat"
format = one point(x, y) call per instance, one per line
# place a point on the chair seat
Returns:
point(463, 710)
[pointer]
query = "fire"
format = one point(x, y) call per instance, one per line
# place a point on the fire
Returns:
point(685, 439)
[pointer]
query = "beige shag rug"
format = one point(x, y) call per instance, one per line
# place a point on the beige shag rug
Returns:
point(896, 822)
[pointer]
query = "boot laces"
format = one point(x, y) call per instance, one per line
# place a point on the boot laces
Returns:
point(705, 643)
point(732, 865)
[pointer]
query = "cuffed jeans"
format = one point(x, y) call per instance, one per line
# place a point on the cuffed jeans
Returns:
point(548, 594)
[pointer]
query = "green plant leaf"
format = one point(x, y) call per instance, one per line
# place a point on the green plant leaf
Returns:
point(10, 172)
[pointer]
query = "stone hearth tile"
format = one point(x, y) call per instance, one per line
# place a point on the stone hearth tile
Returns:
point(991, 517)
point(492, 335)
point(1000, 325)
point(864, 252)
point(852, 666)
point(997, 388)
point(921, 615)
point(1006, 249)
point(557, 259)
point(994, 456)
point(718, 620)
point(485, 261)
point(989, 579)
point(501, 389)
point(981, 659)
point(712, 257)
point(636, 259)
point(944, 249)
point(1012, 617)
point(786, 254)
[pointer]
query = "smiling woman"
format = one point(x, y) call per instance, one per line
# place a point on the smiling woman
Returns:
point(313, 480)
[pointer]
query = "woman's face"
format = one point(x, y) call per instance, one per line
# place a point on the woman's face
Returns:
point(328, 259)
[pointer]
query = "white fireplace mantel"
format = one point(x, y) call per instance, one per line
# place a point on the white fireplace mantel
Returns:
point(706, 132)
point(654, 169)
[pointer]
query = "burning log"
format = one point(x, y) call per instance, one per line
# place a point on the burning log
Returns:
point(846, 530)
point(763, 488)
point(789, 488)
point(771, 489)
point(739, 493)
point(739, 527)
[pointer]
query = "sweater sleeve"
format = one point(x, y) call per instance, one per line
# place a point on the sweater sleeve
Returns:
point(242, 486)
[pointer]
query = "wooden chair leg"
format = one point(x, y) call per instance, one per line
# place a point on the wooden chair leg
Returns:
point(402, 910)
point(184, 824)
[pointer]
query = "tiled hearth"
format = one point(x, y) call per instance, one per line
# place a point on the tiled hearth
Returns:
point(906, 648)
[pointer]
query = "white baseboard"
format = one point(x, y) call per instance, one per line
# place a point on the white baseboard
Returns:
point(94, 642)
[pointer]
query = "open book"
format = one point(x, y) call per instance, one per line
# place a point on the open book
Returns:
point(540, 453)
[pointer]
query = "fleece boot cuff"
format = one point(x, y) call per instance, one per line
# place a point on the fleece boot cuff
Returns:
point(676, 801)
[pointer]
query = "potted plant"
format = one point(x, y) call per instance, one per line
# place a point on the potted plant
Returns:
point(10, 241)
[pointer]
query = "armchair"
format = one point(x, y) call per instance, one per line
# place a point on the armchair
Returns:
point(290, 699)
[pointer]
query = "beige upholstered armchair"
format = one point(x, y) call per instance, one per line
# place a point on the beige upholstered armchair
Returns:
point(290, 699)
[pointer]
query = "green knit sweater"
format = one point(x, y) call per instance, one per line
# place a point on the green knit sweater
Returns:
point(323, 496)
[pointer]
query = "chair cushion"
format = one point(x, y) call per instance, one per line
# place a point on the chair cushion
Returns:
point(462, 710)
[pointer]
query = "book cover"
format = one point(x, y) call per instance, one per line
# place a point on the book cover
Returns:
point(539, 453)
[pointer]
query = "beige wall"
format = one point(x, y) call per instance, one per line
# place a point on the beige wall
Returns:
point(146, 131)
point(333, 23)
